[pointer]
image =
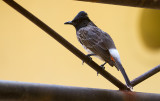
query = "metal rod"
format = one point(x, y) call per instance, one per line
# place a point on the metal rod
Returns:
point(22, 91)
point(66, 44)
point(145, 76)
point(154, 4)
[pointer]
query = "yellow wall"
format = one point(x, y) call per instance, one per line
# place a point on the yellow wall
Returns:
point(29, 54)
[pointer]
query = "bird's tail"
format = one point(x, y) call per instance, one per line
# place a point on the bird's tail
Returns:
point(120, 67)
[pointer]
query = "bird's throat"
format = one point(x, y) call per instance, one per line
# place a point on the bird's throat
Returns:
point(83, 23)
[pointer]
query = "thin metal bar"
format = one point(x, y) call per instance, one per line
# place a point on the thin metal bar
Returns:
point(66, 44)
point(22, 91)
point(145, 76)
point(154, 4)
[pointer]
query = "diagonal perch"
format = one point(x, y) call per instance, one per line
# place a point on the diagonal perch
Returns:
point(145, 76)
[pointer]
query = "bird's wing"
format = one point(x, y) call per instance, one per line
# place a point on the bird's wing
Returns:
point(97, 41)
point(96, 36)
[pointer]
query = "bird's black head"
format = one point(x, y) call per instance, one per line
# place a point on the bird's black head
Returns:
point(81, 20)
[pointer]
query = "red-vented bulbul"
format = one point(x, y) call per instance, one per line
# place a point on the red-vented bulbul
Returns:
point(97, 42)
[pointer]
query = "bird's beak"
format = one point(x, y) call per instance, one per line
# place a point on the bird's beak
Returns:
point(69, 22)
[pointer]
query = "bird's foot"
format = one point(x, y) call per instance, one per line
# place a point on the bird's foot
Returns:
point(88, 55)
point(102, 67)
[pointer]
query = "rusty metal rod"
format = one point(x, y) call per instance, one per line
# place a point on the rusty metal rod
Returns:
point(145, 76)
point(154, 4)
point(22, 91)
point(66, 44)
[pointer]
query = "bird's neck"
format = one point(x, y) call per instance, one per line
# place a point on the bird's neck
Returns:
point(84, 23)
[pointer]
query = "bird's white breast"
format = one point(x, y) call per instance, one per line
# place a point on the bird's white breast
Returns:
point(88, 50)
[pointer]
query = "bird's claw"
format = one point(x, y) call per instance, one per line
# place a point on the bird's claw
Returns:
point(89, 58)
point(102, 67)
point(88, 55)
point(97, 73)
point(82, 62)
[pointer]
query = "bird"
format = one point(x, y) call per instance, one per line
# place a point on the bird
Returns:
point(97, 42)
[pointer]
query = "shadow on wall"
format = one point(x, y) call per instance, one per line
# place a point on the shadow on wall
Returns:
point(150, 28)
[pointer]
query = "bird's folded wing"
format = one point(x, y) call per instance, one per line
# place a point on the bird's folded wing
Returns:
point(93, 36)
point(97, 41)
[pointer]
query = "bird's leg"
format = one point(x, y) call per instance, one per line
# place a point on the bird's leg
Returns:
point(89, 55)
point(102, 67)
